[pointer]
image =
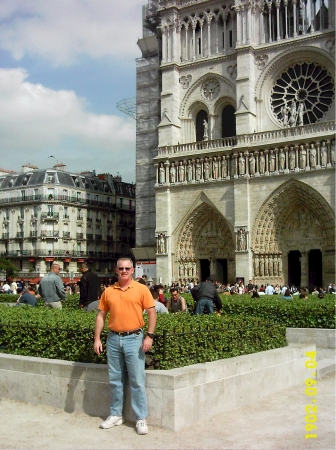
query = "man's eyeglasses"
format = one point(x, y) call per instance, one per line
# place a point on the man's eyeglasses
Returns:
point(125, 268)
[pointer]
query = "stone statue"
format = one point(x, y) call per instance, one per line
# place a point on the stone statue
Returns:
point(282, 159)
point(300, 113)
point(198, 170)
point(161, 243)
point(189, 171)
point(172, 172)
point(271, 161)
point(324, 154)
point(205, 135)
point(285, 112)
point(303, 157)
point(206, 168)
point(261, 163)
point(292, 120)
point(224, 168)
point(215, 168)
point(181, 171)
point(241, 164)
point(292, 159)
point(312, 156)
point(252, 162)
point(162, 173)
point(332, 152)
point(241, 240)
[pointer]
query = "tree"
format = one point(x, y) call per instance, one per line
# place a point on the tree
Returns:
point(8, 267)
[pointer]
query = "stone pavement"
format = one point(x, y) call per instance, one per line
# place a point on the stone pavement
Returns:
point(276, 422)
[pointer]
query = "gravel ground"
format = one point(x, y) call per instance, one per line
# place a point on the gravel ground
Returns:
point(276, 422)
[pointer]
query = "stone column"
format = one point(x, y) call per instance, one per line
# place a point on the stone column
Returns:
point(164, 44)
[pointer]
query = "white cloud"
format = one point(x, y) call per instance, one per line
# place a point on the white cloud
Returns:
point(36, 122)
point(61, 30)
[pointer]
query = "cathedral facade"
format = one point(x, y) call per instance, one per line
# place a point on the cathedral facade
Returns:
point(235, 140)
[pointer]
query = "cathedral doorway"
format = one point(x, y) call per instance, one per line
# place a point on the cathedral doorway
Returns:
point(205, 246)
point(315, 268)
point(294, 268)
point(205, 269)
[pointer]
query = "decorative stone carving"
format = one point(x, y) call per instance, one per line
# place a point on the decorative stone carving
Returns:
point(189, 171)
point(271, 161)
point(241, 164)
point(261, 61)
point(224, 168)
point(210, 89)
point(324, 154)
point(198, 170)
point(262, 163)
point(206, 169)
point(232, 71)
point(185, 80)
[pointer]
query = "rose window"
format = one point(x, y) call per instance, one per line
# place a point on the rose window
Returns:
point(303, 94)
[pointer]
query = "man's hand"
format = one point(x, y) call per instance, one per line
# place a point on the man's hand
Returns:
point(147, 344)
point(98, 346)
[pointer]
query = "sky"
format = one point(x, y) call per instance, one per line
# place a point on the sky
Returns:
point(64, 66)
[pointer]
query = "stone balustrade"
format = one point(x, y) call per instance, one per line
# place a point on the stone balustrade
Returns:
point(209, 165)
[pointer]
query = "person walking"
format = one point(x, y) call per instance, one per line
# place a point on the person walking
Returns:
point(51, 288)
point(126, 344)
point(89, 287)
point(206, 296)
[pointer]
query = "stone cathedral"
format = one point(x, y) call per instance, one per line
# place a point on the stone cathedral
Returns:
point(235, 157)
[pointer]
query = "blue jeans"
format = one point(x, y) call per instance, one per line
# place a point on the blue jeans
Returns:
point(125, 352)
point(204, 306)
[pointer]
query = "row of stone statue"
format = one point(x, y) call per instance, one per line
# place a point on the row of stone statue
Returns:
point(268, 265)
point(298, 157)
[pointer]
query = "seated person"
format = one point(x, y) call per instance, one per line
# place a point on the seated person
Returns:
point(176, 303)
point(159, 307)
point(255, 293)
point(26, 298)
point(287, 295)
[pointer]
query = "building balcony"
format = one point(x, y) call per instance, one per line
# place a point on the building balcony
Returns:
point(80, 236)
point(89, 236)
point(33, 234)
point(49, 234)
point(53, 216)
point(20, 220)
point(6, 219)
point(19, 235)
point(98, 237)
point(34, 218)
point(89, 219)
point(66, 217)
point(66, 235)
point(5, 236)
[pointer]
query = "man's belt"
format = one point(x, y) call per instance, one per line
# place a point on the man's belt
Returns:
point(126, 333)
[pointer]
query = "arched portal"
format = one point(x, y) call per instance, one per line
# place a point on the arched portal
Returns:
point(293, 237)
point(205, 246)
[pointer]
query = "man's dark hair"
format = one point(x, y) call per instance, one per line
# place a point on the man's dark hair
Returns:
point(209, 279)
point(173, 289)
point(155, 294)
point(142, 281)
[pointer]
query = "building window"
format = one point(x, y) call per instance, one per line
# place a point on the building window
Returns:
point(200, 118)
point(228, 122)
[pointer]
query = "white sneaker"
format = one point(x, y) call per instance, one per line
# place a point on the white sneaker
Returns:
point(112, 421)
point(141, 426)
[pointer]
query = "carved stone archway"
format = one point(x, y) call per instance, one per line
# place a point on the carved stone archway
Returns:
point(294, 218)
point(206, 235)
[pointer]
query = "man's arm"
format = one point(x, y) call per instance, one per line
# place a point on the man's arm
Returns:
point(148, 341)
point(217, 301)
point(60, 289)
point(99, 325)
point(183, 305)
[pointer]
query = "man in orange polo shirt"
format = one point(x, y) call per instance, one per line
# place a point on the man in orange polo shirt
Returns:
point(126, 345)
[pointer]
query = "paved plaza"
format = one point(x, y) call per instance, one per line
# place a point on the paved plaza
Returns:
point(276, 422)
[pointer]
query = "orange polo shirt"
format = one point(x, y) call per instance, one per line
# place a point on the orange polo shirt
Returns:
point(126, 307)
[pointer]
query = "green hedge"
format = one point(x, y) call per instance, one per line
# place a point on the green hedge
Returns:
point(245, 326)
point(181, 339)
point(311, 313)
